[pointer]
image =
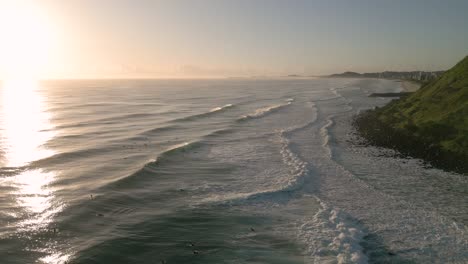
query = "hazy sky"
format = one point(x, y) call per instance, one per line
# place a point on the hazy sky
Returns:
point(195, 38)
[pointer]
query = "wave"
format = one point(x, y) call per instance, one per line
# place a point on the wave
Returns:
point(216, 109)
point(64, 157)
point(346, 102)
point(109, 146)
point(338, 96)
point(326, 139)
point(294, 181)
point(289, 185)
point(298, 167)
point(152, 166)
point(173, 150)
point(107, 120)
point(335, 92)
point(205, 114)
point(332, 236)
point(100, 104)
point(157, 130)
point(187, 118)
point(98, 149)
point(261, 112)
point(325, 133)
point(118, 118)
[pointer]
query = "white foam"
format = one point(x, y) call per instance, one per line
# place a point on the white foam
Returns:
point(324, 132)
point(333, 237)
point(402, 225)
point(264, 111)
point(346, 100)
point(298, 168)
point(221, 108)
point(292, 181)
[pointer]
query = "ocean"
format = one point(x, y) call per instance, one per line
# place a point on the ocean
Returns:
point(215, 171)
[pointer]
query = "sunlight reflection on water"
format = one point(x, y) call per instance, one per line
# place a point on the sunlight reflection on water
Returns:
point(25, 128)
point(25, 124)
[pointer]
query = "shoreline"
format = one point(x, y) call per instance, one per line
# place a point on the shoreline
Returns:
point(429, 124)
point(378, 133)
point(409, 86)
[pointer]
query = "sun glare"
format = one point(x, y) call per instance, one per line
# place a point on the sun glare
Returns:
point(26, 38)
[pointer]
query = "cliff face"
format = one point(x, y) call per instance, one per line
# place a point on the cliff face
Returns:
point(432, 123)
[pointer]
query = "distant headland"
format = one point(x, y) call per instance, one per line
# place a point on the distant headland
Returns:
point(419, 76)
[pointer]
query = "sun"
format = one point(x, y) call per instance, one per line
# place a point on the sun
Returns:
point(25, 39)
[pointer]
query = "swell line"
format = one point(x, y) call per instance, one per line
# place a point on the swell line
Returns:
point(261, 112)
point(290, 184)
point(205, 114)
point(152, 166)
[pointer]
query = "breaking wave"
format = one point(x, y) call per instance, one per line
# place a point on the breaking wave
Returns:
point(261, 112)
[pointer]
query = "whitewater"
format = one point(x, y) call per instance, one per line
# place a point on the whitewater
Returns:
point(217, 171)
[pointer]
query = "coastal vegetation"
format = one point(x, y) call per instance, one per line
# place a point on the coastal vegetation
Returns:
point(431, 123)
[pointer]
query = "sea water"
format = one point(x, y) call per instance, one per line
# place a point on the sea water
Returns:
point(215, 171)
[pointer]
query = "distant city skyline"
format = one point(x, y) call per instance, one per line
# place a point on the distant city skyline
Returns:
point(153, 39)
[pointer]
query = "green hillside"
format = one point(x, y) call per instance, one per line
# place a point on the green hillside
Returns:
point(432, 123)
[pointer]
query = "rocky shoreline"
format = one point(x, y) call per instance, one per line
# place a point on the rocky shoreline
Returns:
point(378, 133)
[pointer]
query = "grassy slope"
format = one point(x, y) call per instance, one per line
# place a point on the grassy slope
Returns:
point(436, 116)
